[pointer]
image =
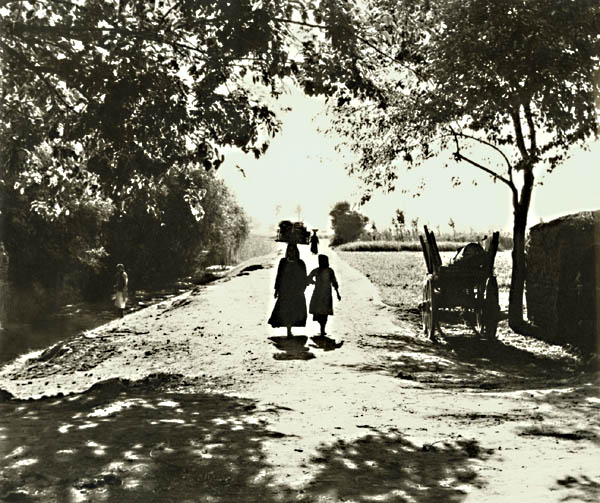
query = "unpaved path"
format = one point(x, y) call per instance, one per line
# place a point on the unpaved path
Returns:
point(215, 405)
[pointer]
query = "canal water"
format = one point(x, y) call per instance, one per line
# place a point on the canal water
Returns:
point(18, 338)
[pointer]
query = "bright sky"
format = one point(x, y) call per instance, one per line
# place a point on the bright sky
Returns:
point(302, 168)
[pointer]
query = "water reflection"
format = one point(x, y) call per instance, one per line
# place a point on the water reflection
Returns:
point(18, 338)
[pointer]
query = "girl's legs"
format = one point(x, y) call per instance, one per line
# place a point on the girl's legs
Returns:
point(322, 319)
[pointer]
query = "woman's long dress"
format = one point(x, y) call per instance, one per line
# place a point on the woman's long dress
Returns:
point(290, 283)
point(314, 244)
point(321, 302)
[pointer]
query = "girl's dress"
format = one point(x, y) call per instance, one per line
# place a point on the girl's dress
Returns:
point(321, 303)
point(290, 283)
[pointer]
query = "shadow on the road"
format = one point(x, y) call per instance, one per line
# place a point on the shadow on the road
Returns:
point(291, 348)
point(578, 407)
point(461, 359)
point(133, 443)
point(325, 343)
point(387, 467)
point(580, 488)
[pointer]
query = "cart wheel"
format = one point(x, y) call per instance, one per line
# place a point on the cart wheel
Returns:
point(488, 314)
point(428, 309)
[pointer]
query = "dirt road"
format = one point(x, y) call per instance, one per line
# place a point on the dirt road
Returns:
point(198, 399)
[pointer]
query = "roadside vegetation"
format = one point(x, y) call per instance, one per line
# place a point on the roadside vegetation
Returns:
point(255, 246)
point(62, 255)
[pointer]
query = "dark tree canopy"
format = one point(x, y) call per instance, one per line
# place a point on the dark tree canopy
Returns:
point(347, 224)
point(127, 88)
point(112, 108)
point(100, 98)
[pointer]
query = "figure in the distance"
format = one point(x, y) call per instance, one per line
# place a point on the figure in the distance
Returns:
point(290, 283)
point(314, 242)
point(121, 281)
point(321, 302)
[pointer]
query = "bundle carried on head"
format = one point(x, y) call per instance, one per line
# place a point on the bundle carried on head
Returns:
point(295, 232)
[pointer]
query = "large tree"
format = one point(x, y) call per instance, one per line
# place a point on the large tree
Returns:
point(129, 87)
point(507, 87)
point(106, 103)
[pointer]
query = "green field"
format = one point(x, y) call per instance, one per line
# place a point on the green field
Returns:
point(384, 246)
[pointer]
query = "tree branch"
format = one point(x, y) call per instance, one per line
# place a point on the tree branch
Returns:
point(358, 37)
point(383, 53)
point(35, 70)
point(487, 143)
point(300, 23)
point(532, 132)
point(166, 14)
point(519, 133)
point(70, 4)
point(460, 157)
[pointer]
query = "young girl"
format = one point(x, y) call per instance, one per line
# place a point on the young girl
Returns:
point(321, 303)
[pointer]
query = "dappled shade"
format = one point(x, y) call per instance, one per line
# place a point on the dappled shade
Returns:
point(130, 444)
point(463, 360)
point(384, 466)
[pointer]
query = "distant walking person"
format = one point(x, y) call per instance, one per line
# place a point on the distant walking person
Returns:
point(314, 242)
point(321, 303)
point(290, 283)
point(121, 281)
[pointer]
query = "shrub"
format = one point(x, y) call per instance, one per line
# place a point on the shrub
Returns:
point(347, 224)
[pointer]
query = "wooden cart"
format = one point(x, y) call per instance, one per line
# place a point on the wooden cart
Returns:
point(467, 285)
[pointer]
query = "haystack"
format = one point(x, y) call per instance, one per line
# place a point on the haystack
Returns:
point(563, 279)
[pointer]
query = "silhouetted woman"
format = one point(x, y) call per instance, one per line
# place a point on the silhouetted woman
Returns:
point(321, 303)
point(314, 242)
point(290, 283)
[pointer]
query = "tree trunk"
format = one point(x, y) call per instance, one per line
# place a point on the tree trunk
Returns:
point(517, 280)
point(519, 269)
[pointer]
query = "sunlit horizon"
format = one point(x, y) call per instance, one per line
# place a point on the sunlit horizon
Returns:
point(302, 170)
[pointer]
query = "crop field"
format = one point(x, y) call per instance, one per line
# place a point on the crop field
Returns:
point(393, 246)
point(399, 276)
